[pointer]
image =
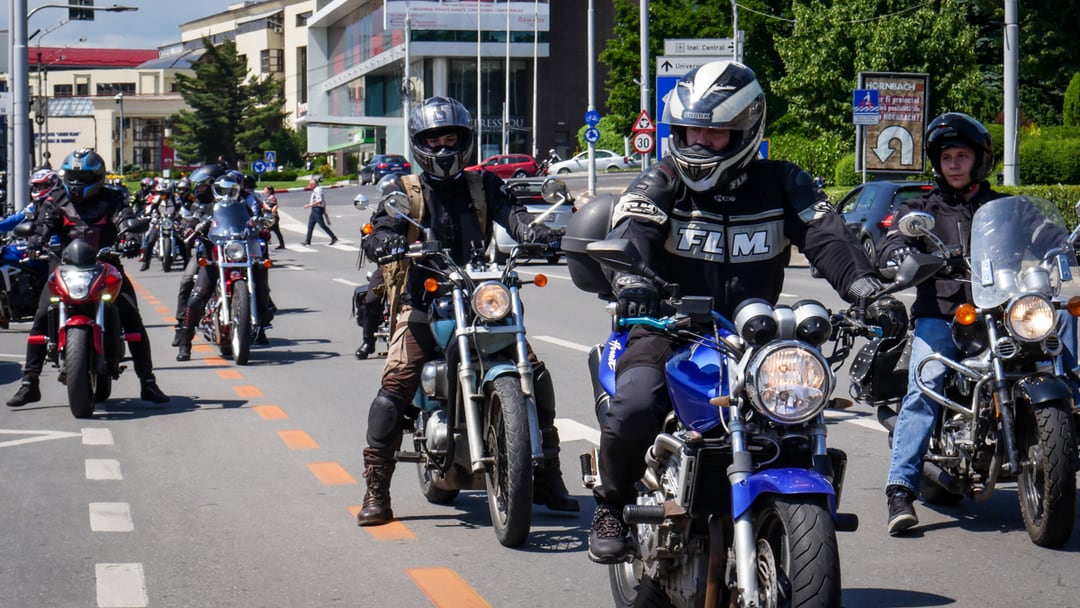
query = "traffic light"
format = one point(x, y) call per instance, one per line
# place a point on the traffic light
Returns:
point(80, 14)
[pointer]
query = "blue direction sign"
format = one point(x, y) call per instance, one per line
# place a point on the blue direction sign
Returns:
point(865, 107)
point(592, 117)
point(270, 156)
point(592, 135)
point(258, 166)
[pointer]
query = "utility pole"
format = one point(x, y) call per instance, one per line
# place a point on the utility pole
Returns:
point(643, 17)
point(1011, 84)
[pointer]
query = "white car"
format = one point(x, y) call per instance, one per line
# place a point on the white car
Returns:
point(528, 192)
point(606, 160)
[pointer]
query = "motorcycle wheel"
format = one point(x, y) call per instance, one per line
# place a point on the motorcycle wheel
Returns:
point(1046, 485)
point(167, 256)
point(435, 495)
point(798, 563)
point(103, 388)
point(632, 589)
point(240, 332)
point(78, 354)
point(509, 477)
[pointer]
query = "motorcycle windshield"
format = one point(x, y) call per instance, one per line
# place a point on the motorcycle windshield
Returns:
point(1020, 244)
point(230, 222)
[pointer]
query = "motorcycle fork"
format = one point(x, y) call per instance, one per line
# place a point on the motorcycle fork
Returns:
point(742, 466)
point(1004, 405)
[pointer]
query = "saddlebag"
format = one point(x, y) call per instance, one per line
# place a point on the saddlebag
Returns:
point(358, 304)
point(879, 373)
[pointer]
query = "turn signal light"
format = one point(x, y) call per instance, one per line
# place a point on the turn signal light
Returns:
point(203, 262)
point(965, 314)
point(268, 263)
point(431, 285)
point(540, 280)
point(1074, 306)
point(367, 229)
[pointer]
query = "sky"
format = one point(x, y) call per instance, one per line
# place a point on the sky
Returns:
point(157, 22)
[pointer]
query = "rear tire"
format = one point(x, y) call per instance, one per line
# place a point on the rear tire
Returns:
point(520, 173)
point(1046, 485)
point(78, 355)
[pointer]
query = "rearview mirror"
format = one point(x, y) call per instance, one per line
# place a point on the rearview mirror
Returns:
point(360, 201)
point(554, 190)
point(916, 223)
point(397, 204)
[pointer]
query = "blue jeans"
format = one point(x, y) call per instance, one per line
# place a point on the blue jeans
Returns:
point(915, 422)
point(1066, 328)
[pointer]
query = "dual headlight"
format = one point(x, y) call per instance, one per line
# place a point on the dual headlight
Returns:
point(1030, 318)
point(78, 283)
point(789, 382)
point(491, 301)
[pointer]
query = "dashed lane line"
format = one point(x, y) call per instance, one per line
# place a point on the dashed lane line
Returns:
point(564, 343)
point(111, 517)
point(121, 586)
point(445, 588)
point(97, 436)
point(103, 469)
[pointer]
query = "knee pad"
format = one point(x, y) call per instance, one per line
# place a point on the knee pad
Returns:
point(384, 420)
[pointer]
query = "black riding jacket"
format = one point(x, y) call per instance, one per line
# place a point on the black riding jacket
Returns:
point(734, 242)
point(97, 220)
point(938, 297)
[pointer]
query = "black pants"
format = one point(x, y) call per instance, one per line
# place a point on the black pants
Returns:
point(187, 283)
point(205, 280)
point(316, 217)
point(371, 314)
point(127, 307)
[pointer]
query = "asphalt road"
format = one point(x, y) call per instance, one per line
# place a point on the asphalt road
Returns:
point(241, 490)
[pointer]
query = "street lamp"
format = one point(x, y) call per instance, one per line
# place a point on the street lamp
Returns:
point(43, 91)
point(120, 100)
point(20, 95)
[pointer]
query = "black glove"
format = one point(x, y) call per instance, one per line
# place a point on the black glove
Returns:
point(867, 287)
point(129, 248)
point(898, 255)
point(890, 315)
point(392, 248)
point(637, 297)
point(540, 233)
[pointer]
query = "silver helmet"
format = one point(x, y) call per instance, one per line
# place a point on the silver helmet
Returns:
point(716, 95)
point(435, 117)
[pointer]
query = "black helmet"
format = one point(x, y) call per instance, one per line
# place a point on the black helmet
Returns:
point(958, 129)
point(202, 181)
point(435, 117)
point(249, 182)
point(716, 95)
point(83, 174)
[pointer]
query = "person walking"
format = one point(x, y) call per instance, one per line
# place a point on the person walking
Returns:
point(318, 211)
point(270, 205)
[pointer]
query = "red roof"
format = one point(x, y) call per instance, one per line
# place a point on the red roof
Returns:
point(89, 58)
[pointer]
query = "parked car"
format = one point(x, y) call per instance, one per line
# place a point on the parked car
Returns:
point(868, 210)
point(606, 160)
point(383, 164)
point(527, 191)
point(508, 166)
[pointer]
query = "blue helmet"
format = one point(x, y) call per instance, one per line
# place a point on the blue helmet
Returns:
point(83, 174)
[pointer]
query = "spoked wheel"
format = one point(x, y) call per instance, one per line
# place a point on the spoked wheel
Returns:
point(509, 477)
point(240, 332)
point(798, 563)
point(1046, 486)
point(78, 355)
point(631, 588)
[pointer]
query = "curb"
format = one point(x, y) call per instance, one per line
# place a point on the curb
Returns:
point(305, 189)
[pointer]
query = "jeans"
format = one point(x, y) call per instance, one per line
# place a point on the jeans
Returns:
point(915, 423)
point(1066, 330)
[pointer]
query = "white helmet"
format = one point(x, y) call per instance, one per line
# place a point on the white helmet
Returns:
point(717, 95)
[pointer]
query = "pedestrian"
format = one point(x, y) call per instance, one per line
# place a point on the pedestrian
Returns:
point(318, 211)
point(270, 204)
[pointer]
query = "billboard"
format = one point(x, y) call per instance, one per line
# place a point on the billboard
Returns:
point(895, 143)
point(463, 15)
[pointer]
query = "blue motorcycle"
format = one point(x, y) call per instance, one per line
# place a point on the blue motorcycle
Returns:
point(21, 282)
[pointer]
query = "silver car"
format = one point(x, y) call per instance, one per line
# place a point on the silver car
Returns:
point(527, 192)
point(606, 160)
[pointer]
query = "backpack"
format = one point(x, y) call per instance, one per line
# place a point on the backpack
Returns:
point(396, 273)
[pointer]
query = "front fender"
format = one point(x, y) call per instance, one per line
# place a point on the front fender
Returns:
point(1043, 388)
point(503, 369)
point(82, 320)
point(779, 481)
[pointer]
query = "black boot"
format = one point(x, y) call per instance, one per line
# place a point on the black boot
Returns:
point(151, 391)
point(365, 349)
point(178, 337)
point(28, 392)
point(378, 469)
point(548, 487)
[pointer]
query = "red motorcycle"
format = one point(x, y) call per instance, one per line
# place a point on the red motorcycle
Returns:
point(85, 339)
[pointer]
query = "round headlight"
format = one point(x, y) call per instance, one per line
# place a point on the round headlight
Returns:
point(77, 283)
point(1030, 318)
point(235, 251)
point(789, 382)
point(491, 301)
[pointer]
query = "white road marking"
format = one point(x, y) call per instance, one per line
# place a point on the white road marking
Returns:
point(530, 273)
point(563, 343)
point(97, 437)
point(36, 437)
point(348, 282)
point(120, 586)
point(103, 469)
point(111, 517)
point(11, 356)
point(571, 430)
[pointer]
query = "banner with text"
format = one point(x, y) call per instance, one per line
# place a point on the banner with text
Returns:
point(895, 143)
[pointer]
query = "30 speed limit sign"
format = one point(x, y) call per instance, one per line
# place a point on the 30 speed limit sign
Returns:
point(644, 142)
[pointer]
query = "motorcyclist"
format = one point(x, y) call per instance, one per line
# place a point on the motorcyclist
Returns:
point(160, 204)
point(228, 190)
point(201, 202)
point(961, 153)
point(139, 198)
point(442, 143)
point(720, 222)
point(42, 182)
point(83, 208)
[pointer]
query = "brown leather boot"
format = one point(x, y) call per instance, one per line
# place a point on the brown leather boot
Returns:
point(548, 487)
point(378, 469)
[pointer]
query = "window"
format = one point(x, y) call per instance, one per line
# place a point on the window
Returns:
point(272, 61)
point(112, 88)
point(301, 18)
point(62, 90)
point(82, 89)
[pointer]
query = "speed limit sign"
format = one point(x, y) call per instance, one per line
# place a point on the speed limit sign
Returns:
point(644, 142)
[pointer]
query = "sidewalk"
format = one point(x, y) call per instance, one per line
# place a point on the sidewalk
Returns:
point(305, 188)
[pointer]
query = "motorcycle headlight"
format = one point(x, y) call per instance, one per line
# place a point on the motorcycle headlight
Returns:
point(77, 283)
point(789, 382)
point(491, 301)
point(1030, 318)
point(235, 252)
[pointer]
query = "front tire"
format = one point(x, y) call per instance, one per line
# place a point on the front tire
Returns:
point(798, 563)
point(78, 355)
point(509, 478)
point(1046, 485)
point(240, 331)
point(167, 255)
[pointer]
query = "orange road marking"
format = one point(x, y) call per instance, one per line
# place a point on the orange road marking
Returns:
point(169, 319)
point(298, 440)
point(331, 473)
point(229, 374)
point(270, 412)
point(215, 361)
point(164, 310)
point(394, 530)
point(247, 390)
point(151, 300)
point(202, 348)
point(445, 588)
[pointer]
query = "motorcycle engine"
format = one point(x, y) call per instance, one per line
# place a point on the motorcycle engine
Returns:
point(436, 433)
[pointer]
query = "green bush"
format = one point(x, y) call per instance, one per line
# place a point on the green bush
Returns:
point(326, 171)
point(1071, 107)
point(285, 175)
point(1064, 197)
point(845, 174)
point(817, 155)
point(1049, 160)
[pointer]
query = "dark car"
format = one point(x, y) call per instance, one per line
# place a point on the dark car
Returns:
point(868, 210)
point(383, 164)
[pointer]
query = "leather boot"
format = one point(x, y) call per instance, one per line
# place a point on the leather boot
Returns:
point(378, 469)
point(548, 487)
point(184, 336)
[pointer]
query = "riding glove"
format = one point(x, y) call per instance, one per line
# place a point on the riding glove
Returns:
point(867, 287)
point(540, 233)
point(898, 255)
point(636, 296)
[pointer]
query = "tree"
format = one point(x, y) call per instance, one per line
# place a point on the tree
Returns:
point(233, 115)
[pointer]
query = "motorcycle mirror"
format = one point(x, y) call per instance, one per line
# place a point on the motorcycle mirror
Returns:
point(916, 268)
point(397, 204)
point(23, 229)
point(554, 190)
point(360, 201)
point(916, 223)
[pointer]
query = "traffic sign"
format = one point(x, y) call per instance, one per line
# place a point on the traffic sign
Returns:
point(592, 117)
point(677, 65)
point(718, 47)
point(270, 156)
point(258, 166)
point(643, 123)
point(865, 107)
point(592, 135)
point(644, 142)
